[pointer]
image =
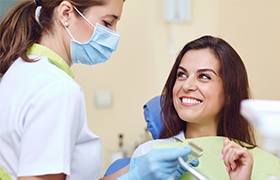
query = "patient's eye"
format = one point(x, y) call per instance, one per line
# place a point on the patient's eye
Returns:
point(181, 75)
point(204, 76)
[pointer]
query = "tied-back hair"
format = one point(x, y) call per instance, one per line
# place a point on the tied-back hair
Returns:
point(19, 29)
point(236, 88)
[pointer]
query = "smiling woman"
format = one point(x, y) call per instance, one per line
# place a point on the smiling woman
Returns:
point(201, 103)
point(198, 94)
point(214, 75)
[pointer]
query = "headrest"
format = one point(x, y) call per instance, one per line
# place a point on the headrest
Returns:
point(152, 111)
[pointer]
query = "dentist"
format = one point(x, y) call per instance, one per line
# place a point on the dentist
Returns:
point(44, 133)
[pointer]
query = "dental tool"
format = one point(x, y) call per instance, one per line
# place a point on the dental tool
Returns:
point(196, 174)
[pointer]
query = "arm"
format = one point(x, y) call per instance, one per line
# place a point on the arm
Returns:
point(45, 177)
point(238, 160)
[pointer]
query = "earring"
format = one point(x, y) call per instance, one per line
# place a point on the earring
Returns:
point(66, 24)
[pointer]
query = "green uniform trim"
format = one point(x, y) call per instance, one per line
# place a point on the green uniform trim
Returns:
point(37, 49)
point(4, 175)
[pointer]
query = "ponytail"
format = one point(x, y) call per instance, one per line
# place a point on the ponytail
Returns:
point(19, 30)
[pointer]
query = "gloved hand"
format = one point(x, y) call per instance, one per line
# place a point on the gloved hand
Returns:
point(180, 171)
point(157, 164)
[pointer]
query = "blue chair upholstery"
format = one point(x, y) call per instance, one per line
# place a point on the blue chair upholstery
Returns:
point(117, 165)
point(152, 115)
point(152, 110)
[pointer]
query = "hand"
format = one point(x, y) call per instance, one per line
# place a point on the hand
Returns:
point(238, 160)
point(157, 164)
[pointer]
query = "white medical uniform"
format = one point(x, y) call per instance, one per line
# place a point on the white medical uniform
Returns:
point(43, 124)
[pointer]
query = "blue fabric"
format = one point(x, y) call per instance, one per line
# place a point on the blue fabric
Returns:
point(152, 115)
point(117, 165)
point(152, 111)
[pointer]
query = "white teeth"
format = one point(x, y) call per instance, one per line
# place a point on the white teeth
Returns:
point(190, 101)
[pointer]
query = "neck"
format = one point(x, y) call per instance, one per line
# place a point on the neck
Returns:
point(55, 42)
point(194, 130)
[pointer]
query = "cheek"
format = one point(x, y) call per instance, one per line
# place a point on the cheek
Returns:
point(82, 31)
point(214, 95)
point(219, 98)
point(176, 88)
point(175, 95)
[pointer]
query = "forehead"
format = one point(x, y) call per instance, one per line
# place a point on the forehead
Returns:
point(112, 7)
point(200, 59)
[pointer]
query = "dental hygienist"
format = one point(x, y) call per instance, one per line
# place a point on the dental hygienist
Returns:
point(43, 132)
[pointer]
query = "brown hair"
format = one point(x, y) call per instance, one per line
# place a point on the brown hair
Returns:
point(19, 29)
point(236, 88)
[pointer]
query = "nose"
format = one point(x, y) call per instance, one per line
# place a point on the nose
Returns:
point(114, 28)
point(190, 84)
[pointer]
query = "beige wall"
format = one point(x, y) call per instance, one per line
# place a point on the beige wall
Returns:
point(138, 70)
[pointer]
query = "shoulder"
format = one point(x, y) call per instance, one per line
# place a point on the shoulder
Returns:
point(39, 79)
point(42, 74)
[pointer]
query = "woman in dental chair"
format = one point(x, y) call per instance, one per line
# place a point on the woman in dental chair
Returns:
point(201, 103)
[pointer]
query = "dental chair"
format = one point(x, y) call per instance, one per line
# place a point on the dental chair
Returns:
point(152, 116)
point(152, 111)
point(266, 166)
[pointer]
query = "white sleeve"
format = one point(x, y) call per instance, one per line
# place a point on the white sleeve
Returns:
point(50, 129)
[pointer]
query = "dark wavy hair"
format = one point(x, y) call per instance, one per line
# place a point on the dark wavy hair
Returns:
point(236, 88)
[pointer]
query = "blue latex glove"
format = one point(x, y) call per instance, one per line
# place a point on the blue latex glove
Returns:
point(157, 164)
point(180, 171)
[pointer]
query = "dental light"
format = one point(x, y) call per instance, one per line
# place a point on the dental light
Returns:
point(265, 116)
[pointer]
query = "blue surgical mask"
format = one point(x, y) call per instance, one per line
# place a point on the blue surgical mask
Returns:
point(98, 49)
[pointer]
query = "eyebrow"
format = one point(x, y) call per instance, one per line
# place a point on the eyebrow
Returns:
point(114, 16)
point(211, 70)
point(200, 70)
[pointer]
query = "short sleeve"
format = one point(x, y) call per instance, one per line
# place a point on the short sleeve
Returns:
point(50, 129)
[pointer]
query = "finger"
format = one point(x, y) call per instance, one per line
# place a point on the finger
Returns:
point(226, 140)
point(172, 154)
point(244, 156)
point(232, 158)
point(194, 163)
point(169, 157)
point(228, 145)
point(237, 157)
point(226, 156)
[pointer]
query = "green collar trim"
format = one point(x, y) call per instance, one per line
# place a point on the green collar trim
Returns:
point(4, 175)
point(37, 49)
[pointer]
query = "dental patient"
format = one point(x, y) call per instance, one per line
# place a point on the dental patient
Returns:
point(201, 103)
